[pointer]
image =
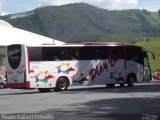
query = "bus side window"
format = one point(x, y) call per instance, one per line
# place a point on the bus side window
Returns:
point(77, 55)
point(73, 53)
point(98, 53)
point(35, 53)
point(54, 58)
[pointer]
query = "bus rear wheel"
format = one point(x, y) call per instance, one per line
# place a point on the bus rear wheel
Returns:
point(43, 90)
point(62, 84)
point(130, 80)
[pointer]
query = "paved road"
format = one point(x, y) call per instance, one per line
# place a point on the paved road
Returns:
point(86, 102)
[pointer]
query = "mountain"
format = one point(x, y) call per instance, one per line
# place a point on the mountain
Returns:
point(83, 22)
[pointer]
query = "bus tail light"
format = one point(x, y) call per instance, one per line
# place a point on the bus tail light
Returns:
point(28, 84)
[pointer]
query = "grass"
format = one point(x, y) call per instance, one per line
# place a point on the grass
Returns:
point(152, 44)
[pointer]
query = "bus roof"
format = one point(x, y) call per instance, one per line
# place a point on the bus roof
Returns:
point(82, 44)
point(94, 44)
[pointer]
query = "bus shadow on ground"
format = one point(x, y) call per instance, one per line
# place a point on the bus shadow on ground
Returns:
point(117, 89)
point(149, 87)
point(26, 92)
point(115, 108)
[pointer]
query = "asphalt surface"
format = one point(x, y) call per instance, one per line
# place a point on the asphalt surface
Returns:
point(88, 103)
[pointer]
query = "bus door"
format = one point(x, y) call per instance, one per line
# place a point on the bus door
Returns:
point(147, 69)
point(16, 66)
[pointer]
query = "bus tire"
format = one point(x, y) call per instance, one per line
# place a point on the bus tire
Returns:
point(2, 86)
point(130, 80)
point(62, 84)
point(43, 90)
point(110, 85)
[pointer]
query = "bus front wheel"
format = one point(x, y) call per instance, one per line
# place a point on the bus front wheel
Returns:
point(62, 84)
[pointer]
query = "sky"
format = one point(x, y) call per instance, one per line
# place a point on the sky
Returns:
point(17, 6)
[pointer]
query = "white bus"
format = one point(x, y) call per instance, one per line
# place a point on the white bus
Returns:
point(49, 67)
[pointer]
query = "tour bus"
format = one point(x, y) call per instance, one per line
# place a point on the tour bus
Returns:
point(56, 67)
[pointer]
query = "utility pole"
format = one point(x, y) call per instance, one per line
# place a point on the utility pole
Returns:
point(54, 26)
point(159, 13)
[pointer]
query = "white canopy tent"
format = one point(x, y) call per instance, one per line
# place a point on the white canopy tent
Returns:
point(11, 35)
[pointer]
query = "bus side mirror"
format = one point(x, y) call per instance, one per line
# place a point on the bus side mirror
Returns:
point(153, 56)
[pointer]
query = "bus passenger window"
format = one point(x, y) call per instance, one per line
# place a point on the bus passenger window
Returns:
point(72, 53)
point(54, 58)
point(35, 54)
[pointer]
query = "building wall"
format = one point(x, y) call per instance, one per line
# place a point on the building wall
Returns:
point(2, 60)
point(2, 70)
